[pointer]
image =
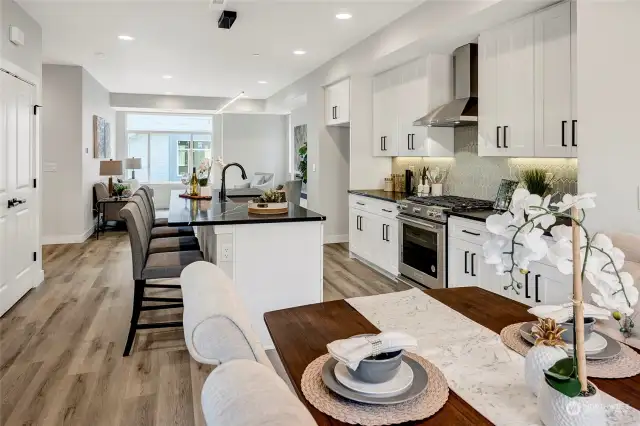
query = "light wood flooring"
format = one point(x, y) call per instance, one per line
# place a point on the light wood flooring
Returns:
point(61, 346)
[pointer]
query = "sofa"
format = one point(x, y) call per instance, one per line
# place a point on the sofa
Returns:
point(259, 180)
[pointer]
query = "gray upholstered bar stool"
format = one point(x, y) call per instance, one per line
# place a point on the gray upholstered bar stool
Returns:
point(148, 193)
point(148, 266)
point(159, 231)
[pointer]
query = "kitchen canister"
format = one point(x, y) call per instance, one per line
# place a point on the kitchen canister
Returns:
point(388, 185)
point(436, 189)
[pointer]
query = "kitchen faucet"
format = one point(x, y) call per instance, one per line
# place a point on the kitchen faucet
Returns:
point(223, 189)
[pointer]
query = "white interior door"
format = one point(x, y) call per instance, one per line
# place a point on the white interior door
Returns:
point(18, 204)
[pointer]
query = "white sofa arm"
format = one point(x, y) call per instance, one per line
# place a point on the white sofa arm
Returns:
point(216, 326)
point(245, 393)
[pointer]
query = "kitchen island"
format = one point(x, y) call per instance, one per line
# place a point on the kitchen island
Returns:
point(275, 260)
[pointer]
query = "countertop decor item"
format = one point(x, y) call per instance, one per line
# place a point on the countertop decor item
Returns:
point(111, 168)
point(271, 202)
point(354, 350)
point(196, 197)
point(505, 192)
point(388, 184)
point(536, 181)
point(546, 351)
point(422, 406)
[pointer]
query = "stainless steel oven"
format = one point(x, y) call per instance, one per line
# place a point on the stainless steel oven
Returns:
point(422, 251)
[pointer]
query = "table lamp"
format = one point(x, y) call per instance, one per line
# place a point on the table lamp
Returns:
point(111, 168)
point(133, 164)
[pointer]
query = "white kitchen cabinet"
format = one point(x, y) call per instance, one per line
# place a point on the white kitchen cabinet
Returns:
point(506, 90)
point(337, 103)
point(405, 94)
point(555, 75)
point(463, 264)
point(550, 287)
point(373, 232)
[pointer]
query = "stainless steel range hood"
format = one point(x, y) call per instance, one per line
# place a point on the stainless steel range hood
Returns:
point(463, 110)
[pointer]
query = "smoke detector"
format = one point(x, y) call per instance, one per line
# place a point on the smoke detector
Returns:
point(217, 5)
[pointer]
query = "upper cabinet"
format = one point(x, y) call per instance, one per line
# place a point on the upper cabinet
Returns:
point(337, 101)
point(555, 76)
point(403, 95)
point(526, 86)
point(506, 90)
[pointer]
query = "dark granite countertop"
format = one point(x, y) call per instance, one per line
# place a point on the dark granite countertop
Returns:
point(379, 194)
point(183, 211)
point(479, 215)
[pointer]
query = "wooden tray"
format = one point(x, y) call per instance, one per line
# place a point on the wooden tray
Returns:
point(269, 208)
point(196, 197)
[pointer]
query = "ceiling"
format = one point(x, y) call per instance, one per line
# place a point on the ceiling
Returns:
point(180, 38)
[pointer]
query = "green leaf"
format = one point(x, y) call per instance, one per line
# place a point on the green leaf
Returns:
point(570, 387)
point(564, 367)
point(556, 376)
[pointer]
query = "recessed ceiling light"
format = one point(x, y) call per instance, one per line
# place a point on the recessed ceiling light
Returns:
point(167, 77)
point(256, 54)
point(262, 82)
point(100, 55)
point(126, 37)
point(168, 93)
point(299, 52)
point(343, 16)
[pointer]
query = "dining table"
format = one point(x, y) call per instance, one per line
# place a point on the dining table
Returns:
point(301, 334)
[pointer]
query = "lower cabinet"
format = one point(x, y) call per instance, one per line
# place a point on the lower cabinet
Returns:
point(542, 284)
point(374, 238)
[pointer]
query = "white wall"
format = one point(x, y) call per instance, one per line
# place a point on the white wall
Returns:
point(61, 148)
point(29, 56)
point(608, 93)
point(72, 97)
point(259, 142)
point(95, 101)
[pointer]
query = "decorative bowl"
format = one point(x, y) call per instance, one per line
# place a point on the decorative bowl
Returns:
point(378, 369)
point(589, 326)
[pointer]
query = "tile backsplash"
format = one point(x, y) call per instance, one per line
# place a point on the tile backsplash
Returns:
point(480, 177)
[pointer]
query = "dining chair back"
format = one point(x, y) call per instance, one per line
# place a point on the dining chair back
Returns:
point(138, 237)
point(293, 189)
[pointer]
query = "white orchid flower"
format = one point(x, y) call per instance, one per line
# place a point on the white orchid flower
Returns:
point(584, 201)
point(537, 210)
point(617, 300)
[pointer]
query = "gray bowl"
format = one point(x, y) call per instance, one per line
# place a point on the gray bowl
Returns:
point(589, 326)
point(378, 369)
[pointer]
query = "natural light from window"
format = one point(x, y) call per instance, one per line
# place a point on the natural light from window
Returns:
point(169, 145)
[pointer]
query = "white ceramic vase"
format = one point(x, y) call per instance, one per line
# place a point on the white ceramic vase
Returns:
point(540, 358)
point(436, 189)
point(205, 191)
point(557, 409)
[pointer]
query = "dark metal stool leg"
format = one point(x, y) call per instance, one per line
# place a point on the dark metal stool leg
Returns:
point(138, 294)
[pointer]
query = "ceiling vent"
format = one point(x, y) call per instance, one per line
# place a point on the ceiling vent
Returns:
point(226, 19)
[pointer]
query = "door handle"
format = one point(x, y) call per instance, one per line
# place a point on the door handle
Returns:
point(526, 286)
point(538, 289)
point(477, 234)
point(504, 138)
point(466, 261)
point(12, 203)
point(573, 132)
point(473, 273)
point(563, 123)
point(498, 136)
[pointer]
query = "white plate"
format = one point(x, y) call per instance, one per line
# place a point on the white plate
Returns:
point(596, 343)
point(400, 383)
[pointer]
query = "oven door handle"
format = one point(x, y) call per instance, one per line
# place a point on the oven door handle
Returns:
point(421, 224)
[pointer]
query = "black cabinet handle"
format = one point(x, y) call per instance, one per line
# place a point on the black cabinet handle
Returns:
point(358, 223)
point(384, 141)
point(477, 234)
point(385, 229)
point(573, 132)
point(538, 289)
point(526, 286)
point(504, 138)
point(498, 136)
point(383, 238)
point(473, 255)
point(360, 204)
point(466, 262)
point(388, 211)
point(563, 123)
point(412, 141)
point(409, 142)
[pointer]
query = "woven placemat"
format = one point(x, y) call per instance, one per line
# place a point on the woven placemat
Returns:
point(421, 407)
point(625, 364)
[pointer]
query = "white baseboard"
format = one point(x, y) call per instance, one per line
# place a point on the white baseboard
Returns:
point(332, 239)
point(68, 239)
point(376, 268)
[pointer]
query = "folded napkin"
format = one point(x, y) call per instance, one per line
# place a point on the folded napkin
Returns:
point(351, 351)
point(564, 312)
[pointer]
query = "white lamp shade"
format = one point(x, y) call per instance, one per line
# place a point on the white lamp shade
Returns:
point(133, 163)
point(111, 168)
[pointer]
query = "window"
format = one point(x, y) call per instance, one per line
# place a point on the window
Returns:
point(169, 145)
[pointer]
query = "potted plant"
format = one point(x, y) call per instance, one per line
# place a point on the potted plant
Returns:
point(565, 397)
point(536, 181)
point(302, 166)
point(546, 351)
point(204, 172)
point(273, 201)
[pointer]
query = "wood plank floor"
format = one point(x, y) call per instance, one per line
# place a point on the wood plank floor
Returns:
point(61, 346)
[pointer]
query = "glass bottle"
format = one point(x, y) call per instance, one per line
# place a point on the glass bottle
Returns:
point(193, 184)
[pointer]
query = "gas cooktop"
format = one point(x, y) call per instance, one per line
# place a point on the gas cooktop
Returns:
point(434, 208)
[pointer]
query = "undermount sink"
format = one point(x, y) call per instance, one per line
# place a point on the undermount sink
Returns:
point(239, 198)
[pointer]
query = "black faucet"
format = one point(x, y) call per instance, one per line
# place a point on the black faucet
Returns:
point(223, 188)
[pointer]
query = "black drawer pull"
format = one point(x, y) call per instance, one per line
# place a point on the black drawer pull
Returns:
point(573, 132)
point(477, 234)
point(473, 255)
point(360, 204)
point(498, 136)
point(466, 262)
point(388, 211)
point(537, 289)
point(526, 286)
point(504, 139)
point(563, 123)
